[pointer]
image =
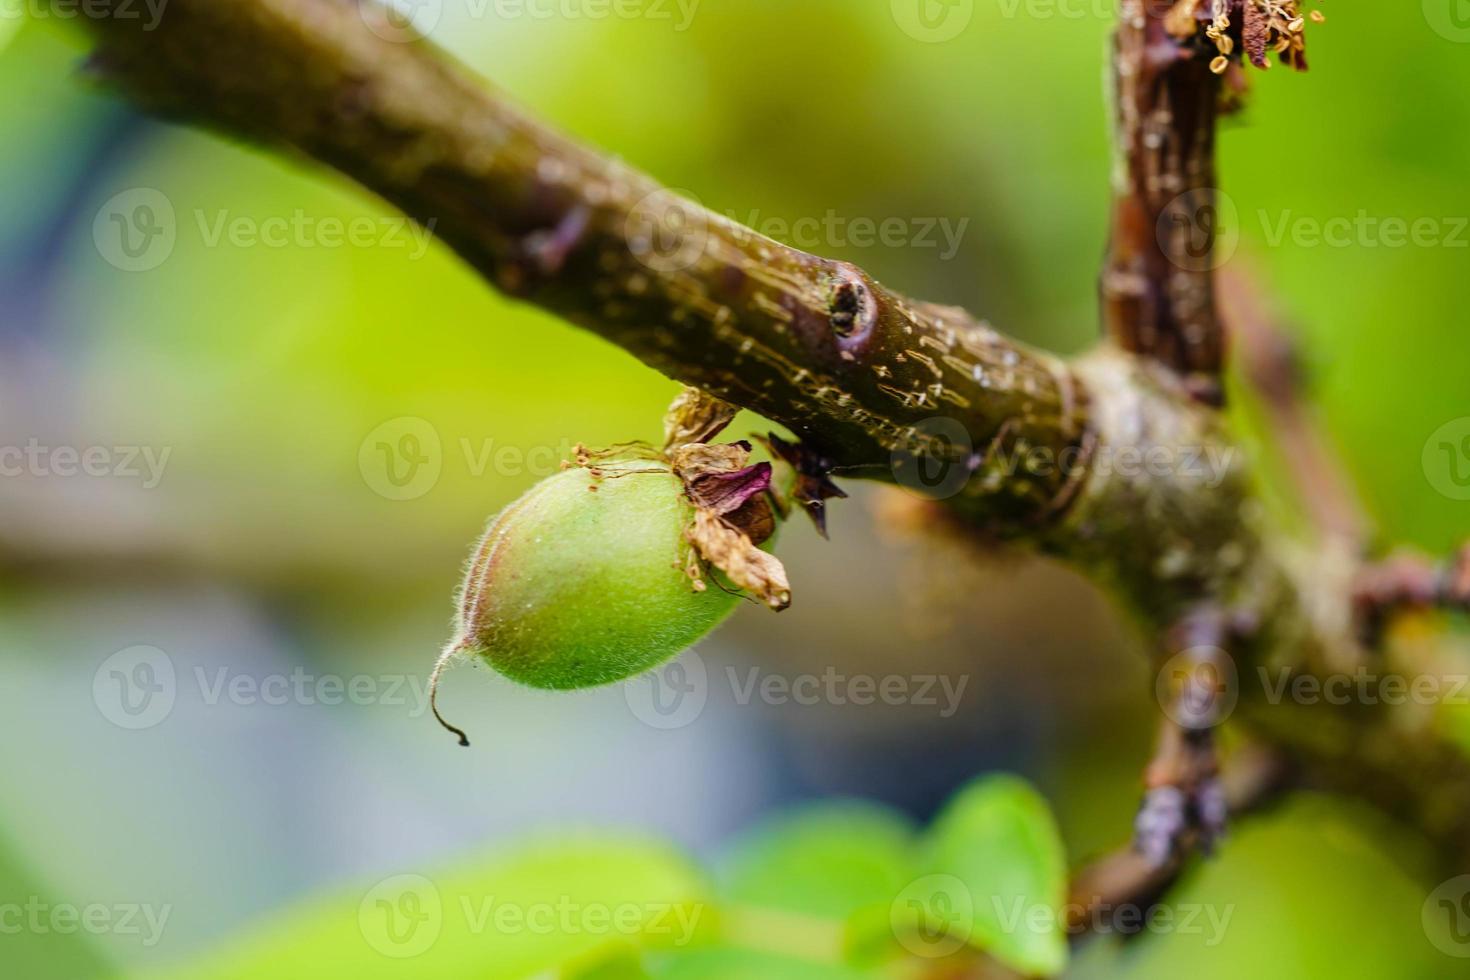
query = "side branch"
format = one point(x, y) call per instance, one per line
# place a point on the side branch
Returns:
point(1157, 287)
point(817, 345)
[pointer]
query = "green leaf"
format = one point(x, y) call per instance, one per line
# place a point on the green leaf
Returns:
point(998, 873)
point(571, 907)
point(828, 861)
point(745, 964)
point(41, 952)
point(1318, 888)
point(620, 963)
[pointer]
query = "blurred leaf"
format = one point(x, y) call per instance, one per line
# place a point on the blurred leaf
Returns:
point(569, 906)
point(744, 964)
point(621, 963)
point(44, 953)
point(999, 839)
point(829, 861)
point(1307, 891)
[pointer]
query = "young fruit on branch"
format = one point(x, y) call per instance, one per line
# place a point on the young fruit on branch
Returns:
point(603, 571)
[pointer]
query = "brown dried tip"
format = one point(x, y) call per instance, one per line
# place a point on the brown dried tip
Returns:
point(747, 567)
point(696, 416)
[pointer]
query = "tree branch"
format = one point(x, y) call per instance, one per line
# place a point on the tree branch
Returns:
point(817, 345)
point(1157, 285)
point(854, 369)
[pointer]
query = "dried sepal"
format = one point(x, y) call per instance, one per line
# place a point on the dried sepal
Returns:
point(697, 460)
point(745, 565)
point(718, 479)
point(696, 416)
point(728, 493)
point(814, 486)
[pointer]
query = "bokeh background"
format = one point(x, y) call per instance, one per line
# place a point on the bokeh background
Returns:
point(262, 379)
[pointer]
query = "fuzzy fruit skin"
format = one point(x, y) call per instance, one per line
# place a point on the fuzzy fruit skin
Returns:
point(573, 587)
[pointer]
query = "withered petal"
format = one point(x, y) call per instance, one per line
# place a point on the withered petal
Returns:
point(727, 492)
point(696, 416)
point(745, 565)
point(696, 460)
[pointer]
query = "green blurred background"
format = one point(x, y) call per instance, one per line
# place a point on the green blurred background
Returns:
point(272, 543)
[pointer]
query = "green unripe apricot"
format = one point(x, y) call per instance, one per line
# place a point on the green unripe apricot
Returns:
point(582, 581)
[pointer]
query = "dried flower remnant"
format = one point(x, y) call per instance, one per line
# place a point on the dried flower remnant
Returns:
point(1260, 27)
point(733, 516)
point(733, 552)
point(814, 486)
point(696, 416)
